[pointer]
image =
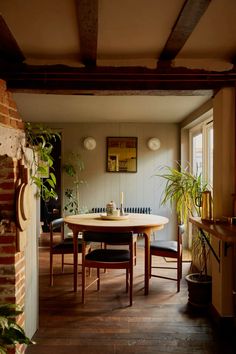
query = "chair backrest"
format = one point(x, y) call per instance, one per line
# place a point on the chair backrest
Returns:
point(106, 237)
point(55, 225)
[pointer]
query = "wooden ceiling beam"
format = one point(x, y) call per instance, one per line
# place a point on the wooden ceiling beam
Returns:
point(118, 92)
point(187, 20)
point(53, 78)
point(87, 11)
point(9, 49)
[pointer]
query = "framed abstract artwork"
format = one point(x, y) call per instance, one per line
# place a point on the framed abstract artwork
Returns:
point(121, 154)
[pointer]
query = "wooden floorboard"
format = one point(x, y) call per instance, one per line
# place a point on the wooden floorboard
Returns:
point(161, 322)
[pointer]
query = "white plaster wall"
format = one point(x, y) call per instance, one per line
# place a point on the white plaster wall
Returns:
point(11, 141)
point(31, 259)
point(141, 188)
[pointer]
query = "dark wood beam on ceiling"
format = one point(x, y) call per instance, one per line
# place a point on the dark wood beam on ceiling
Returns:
point(87, 11)
point(9, 49)
point(187, 20)
point(60, 77)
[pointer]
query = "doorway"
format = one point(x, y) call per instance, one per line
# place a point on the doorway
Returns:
point(51, 209)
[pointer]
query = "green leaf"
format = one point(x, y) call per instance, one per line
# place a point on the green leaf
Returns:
point(53, 178)
point(39, 138)
point(3, 350)
point(50, 182)
point(10, 332)
point(181, 189)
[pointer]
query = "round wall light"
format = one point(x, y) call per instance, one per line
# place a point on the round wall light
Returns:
point(153, 144)
point(89, 143)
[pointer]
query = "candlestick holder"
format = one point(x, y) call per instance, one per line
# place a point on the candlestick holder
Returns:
point(122, 212)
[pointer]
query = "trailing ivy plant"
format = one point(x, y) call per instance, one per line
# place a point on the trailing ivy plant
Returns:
point(10, 332)
point(40, 139)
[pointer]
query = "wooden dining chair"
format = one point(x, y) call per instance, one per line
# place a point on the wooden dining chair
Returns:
point(60, 245)
point(168, 249)
point(133, 210)
point(108, 258)
point(135, 241)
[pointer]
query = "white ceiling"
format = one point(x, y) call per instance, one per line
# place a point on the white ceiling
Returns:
point(130, 33)
point(71, 108)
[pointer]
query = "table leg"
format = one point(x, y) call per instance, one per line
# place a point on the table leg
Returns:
point(75, 243)
point(234, 279)
point(147, 236)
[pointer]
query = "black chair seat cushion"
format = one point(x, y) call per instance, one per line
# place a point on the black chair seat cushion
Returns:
point(108, 255)
point(66, 246)
point(169, 246)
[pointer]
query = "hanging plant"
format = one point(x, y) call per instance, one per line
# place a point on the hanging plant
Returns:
point(40, 139)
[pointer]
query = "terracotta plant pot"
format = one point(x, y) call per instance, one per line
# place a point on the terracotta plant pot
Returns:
point(199, 290)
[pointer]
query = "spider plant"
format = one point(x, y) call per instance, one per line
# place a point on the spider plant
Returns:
point(183, 191)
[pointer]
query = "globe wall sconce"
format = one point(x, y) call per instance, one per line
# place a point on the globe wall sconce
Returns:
point(89, 143)
point(153, 144)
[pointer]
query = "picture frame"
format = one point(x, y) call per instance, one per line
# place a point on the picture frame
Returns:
point(121, 154)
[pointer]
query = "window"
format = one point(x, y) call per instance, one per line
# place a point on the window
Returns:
point(209, 154)
point(201, 150)
point(201, 156)
point(197, 158)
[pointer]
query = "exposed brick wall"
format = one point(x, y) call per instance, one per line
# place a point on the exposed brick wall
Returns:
point(12, 262)
point(9, 114)
point(8, 178)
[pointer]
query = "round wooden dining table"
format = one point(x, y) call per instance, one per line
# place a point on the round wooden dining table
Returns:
point(137, 223)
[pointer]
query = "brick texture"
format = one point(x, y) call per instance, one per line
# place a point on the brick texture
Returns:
point(12, 262)
point(9, 114)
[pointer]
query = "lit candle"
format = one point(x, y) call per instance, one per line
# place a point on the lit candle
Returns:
point(122, 198)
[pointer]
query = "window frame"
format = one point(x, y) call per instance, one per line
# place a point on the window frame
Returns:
point(202, 128)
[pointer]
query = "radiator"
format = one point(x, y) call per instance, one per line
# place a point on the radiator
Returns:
point(138, 210)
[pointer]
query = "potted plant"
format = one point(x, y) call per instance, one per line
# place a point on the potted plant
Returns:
point(184, 189)
point(40, 139)
point(73, 167)
point(10, 332)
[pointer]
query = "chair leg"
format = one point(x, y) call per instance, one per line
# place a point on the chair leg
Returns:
point(105, 247)
point(135, 253)
point(179, 273)
point(178, 286)
point(51, 269)
point(98, 279)
point(83, 283)
point(131, 287)
point(178, 283)
point(62, 262)
point(181, 265)
point(150, 267)
point(127, 281)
